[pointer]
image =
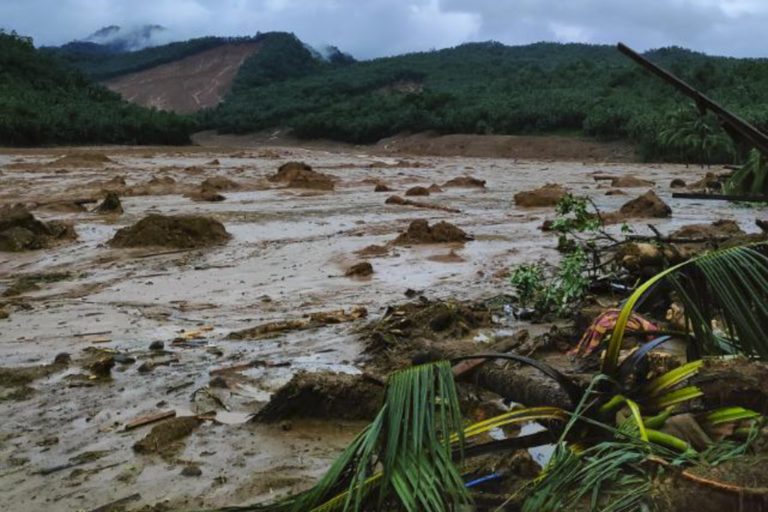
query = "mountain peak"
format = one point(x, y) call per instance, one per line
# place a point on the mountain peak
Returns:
point(121, 39)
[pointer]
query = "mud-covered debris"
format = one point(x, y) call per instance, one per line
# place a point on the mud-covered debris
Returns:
point(630, 182)
point(31, 282)
point(289, 171)
point(615, 192)
point(434, 188)
point(311, 321)
point(81, 159)
point(709, 181)
point(166, 438)
point(21, 231)
point(418, 204)
point(219, 183)
point(15, 381)
point(677, 183)
point(324, 395)
point(102, 367)
point(424, 330)
point(110, 205)
point(417, 191)
point(162, 181)
point(215, 161)
point(4, 313)
point(180, 231)
point(637, 256)
point(207, 195)
point(381, 187)
point(548, 195)
point(192, 470)
point(148, 419)
point(420, 232)
point(465, 182)
point(373, 250)
point(362, 269)
point(718, 229)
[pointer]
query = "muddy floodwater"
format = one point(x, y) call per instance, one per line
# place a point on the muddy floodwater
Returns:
point(64, 446)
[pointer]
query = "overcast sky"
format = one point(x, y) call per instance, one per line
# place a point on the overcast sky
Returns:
point(373, 28)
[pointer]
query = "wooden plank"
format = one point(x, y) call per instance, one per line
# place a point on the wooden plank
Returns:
point(140, 421)
point(720, 197)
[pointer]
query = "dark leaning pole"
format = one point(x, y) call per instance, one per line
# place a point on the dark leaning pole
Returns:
point(735, 126)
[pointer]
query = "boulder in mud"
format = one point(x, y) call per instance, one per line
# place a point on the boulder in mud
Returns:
point(630, 182)
point(677, 183)
point(21, 231)
point(381, 187)
point(719, 229)
point(110, 205)
point(465, 182)
point(362, 269)
point(179, 231)
point(420, 232)
point(649, 205)
point(434, 188)
point(324, 395)
point(417, 191)
point(548, 195)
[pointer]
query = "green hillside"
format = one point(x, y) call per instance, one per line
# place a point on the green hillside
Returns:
point(43, 101)
point(492, 88)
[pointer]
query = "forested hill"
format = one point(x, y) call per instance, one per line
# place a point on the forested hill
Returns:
point(43, 101)
point(492, 88)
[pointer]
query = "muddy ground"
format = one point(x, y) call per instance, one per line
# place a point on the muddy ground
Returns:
point(63, 442)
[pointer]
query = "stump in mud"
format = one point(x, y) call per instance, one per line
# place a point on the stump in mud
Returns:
point(420, 232)
point(181, 232)
point(110, 205)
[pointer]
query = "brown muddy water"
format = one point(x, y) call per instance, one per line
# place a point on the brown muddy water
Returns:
point(287, 257)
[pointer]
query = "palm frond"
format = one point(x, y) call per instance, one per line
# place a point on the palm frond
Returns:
point(729, 286)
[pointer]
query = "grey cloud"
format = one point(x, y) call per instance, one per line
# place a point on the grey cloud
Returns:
point(371, 28)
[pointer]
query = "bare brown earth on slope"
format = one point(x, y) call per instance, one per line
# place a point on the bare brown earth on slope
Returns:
point(187, 85)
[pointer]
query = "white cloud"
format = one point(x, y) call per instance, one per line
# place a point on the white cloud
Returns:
point(369, 28)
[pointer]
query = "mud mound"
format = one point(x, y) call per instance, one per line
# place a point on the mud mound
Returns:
point(548, 195)
point(362, 269)
point(205, 194)
point(182, 232)
point(110, 205)
point(219, 183)
point(710, 180)
point(289, 171)
point(21, 231)
point(649, 205)
point(324, 395)
point(420, 232)
point(81, 159)
point(434, 188)
point(417, 191)
point(465, 182)
point(161, 180)
point(630, 182)
point(165, 439)
point(718, 229)
point(381, 187)
point(615, 192)
point(301, 175)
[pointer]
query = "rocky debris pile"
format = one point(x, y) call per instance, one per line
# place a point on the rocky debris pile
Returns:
point(324, 395)
point(465, 182)
point(110, 205)
point(81, 159)
point(417, 191)
point(418, 204)
point(362, 269)
point(631, 182)
point(179, 231)
point(548, 195)
point(420, 232)
point(301, 175)
point(21, 231)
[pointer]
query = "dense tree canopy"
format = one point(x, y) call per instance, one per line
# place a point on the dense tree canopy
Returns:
point(492, 88)
point(42, 101)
